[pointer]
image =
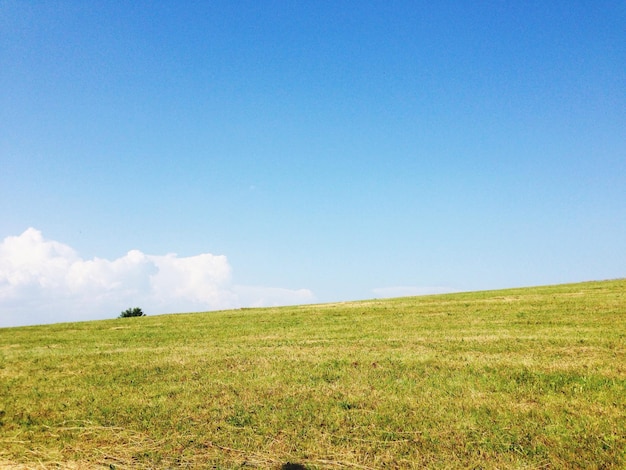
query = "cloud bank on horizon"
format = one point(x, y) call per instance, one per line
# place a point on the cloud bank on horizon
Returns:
point(45, 281)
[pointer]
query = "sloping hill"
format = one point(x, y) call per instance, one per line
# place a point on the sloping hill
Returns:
point(519, 378)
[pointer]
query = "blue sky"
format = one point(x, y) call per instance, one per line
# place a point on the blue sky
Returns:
point(277, 152)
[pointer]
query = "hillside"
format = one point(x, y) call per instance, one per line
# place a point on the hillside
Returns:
point(518, 378)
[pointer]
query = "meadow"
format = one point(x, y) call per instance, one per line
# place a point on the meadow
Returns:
point(524, 378)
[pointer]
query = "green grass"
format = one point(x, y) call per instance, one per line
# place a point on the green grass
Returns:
point(520, 378)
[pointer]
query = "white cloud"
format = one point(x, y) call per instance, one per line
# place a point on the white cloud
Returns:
point(272, 296)
point(409, 291)
point(44, 281)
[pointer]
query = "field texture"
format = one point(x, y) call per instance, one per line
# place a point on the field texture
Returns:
point(521, 378)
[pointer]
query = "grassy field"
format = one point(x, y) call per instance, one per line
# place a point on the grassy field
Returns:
point(520, 378)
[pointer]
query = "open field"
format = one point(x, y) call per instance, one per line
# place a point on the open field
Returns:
point(520, 378)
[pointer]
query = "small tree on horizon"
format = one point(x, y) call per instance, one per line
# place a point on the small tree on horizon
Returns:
point(132, 312)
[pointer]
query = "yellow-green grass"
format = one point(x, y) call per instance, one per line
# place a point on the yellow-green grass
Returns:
point(520, 378)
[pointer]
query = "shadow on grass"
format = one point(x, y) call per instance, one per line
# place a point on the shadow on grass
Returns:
point(292, 466)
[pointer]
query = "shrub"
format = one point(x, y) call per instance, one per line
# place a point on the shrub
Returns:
point(132, 312)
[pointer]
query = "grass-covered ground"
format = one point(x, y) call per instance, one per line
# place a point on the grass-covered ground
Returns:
point(521, 378)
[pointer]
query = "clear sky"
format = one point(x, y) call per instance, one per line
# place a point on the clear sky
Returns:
point(183, 156)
